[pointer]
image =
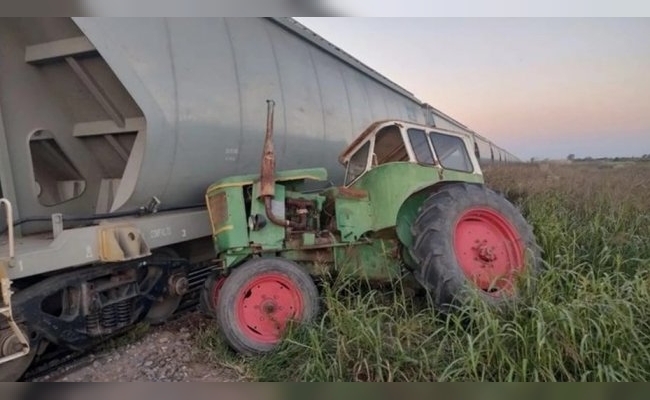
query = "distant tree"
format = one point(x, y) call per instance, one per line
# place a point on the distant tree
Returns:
point(571, 157)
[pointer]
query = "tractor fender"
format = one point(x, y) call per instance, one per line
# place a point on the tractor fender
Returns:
point(409, 210)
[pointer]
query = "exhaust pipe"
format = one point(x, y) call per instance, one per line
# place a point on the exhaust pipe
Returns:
point(267, 173)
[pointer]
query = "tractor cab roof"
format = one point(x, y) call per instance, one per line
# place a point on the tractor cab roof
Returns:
point(376, 126)
point(390, 141)
point(370, 130)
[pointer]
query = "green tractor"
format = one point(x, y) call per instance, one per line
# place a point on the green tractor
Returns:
point(413, 203)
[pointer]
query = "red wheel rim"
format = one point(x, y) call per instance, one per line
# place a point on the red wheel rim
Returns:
point(489, 250)
point(265, 305)
point(216, 288)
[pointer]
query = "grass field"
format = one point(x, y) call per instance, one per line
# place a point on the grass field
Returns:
point(587, 318)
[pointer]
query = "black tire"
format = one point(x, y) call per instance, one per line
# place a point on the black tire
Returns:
point(244, 336)
point(208, 298)
point(436, 249)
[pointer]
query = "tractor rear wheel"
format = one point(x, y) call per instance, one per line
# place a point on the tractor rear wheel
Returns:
point(259, 298)
point(466, 236)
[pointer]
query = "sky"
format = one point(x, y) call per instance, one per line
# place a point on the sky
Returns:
point(539, 87)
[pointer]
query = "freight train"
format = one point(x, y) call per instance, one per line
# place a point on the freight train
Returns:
point(111, 129)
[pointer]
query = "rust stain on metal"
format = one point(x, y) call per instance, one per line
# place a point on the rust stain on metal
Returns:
point(256, 248)
point(272, 217)
point(121, 242)
point(300, 202)
point(218, 208)
point(352, 193)
point(302, 207)
point(267, 181)
point(321, 242)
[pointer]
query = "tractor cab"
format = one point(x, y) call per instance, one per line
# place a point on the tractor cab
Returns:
point(401, 142)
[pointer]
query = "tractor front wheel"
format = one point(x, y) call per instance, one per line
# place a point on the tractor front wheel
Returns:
point(259, 298)
point(467, 236)
point(209, 297)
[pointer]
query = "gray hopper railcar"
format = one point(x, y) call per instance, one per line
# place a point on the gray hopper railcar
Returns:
point(111, 129)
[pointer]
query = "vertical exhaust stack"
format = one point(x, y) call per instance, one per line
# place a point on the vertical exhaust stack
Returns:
point(267, 181)
point(267, 173)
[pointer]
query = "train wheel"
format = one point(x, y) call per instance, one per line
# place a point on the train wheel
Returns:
point(258, 299)
point(467, 233)
point(12, 371)
point(165, 307)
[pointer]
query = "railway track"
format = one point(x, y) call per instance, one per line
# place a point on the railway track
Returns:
point(57, 362)
point(52, 366)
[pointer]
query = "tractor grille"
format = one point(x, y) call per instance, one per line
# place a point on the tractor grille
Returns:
point(218, 209)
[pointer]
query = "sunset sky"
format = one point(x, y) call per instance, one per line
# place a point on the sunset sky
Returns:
point(539, 87)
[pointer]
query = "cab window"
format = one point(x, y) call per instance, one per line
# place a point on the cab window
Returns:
point(420, 146)
point(451, 151)
point(357, 164)
point(389, 146)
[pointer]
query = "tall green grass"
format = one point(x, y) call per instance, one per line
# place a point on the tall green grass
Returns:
point(584, 319)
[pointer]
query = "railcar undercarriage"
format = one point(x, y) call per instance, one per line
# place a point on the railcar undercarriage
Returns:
point(80, 308)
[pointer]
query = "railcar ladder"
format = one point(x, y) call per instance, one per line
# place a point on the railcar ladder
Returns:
point(5, 286)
